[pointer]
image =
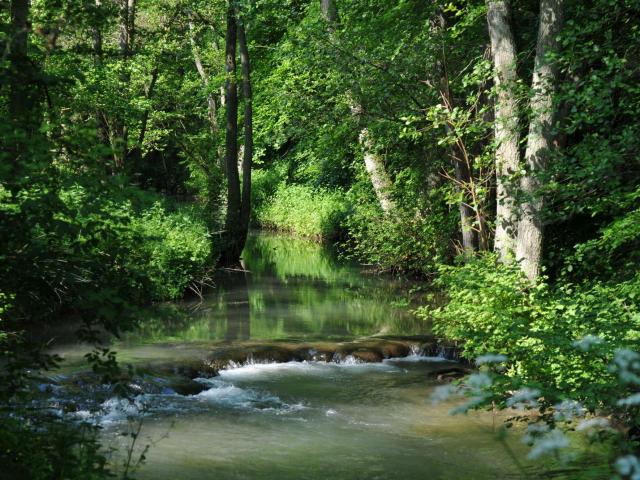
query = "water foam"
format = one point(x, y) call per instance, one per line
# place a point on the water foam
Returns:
point(226, 394)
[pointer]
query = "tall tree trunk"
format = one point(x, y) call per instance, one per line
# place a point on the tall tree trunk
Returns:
point(468, 233)
point(120, 132)
point(373, 161)
point(103, 125)
point(22, 94)
point(145, 116)
point(247, 157)
point(540, 139)
point(212, 108)
point(507, 131)
point(231, 253)
point(459, 157)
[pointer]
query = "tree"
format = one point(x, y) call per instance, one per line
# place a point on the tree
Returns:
point(373, 161)
point(238, 203)
point(120, 134)
point(507, 129)
point(247, 157)
point(24, 90)
point(540, 139)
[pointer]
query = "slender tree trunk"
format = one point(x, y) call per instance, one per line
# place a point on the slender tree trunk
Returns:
point(540, 139)
point(247, 157)
point(507, 131)
point(120, 134)
point(459, 158)
point(22, 94)
point(373, 161)
point(468, 234)
point(103, 125)
point(231, 253)
point(212, 108)
point(145, 116)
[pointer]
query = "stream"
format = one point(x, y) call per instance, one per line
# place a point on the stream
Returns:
point(311, 370)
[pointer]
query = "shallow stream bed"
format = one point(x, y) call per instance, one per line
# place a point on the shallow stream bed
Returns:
point(336, 417)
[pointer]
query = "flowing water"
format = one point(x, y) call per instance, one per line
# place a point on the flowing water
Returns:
point(296, 419)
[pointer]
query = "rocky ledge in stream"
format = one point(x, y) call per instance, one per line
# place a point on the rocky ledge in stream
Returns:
point(367, 350)
point(364, 350)
point(82, 390)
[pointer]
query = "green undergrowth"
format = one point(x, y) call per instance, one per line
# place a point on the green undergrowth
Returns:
point(299, 209)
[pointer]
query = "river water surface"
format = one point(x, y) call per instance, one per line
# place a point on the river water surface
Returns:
point(299, 419)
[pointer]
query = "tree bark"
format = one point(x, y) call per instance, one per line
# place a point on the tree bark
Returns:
point(22, 96)
point(374, 164)
point(375, 168)
point(103, 125)
point(459, 157)
point(204, 78)
point(247, 157)
point(212, 108)
point(329, 12)
point(231, 252)
point(540, 139)
point(120, 140)
point(507, 131)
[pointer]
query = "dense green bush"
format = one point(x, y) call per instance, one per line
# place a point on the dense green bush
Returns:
point(411, 241)
point(50, 449)
point(176, 249)
point(305, 211)
point(493, 309)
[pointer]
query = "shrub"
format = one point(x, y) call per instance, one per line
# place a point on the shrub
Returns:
point(175, 250)
point(412, 241)
point(492, 308)
point(305, 211)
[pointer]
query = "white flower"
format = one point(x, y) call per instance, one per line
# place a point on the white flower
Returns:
point(442, 393)
point(593, 424)
point(586, 342)
point(472, 403)
point(630, 401)
point(490, 358)
point(534, 431)
point(629, 466)
point(478, 381)
point(524, 398)
point(476, 385)
point(567, 410)
point(548, 443)
point(627, 363)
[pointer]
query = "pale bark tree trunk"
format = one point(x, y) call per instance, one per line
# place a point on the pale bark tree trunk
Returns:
point(231, 254)
point(329, 12)
point(540, 139)
point(374, 163)
point(375, 168)
point(469, 237)
point(507, 131)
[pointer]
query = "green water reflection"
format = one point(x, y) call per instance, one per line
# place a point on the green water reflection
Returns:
point(292, 289)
